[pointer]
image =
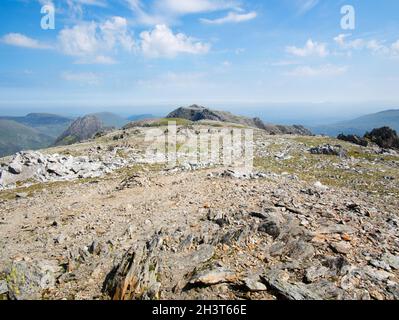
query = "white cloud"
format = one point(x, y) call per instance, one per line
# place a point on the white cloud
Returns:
point(81, 40)
point(97, 60)
point(20, 40)
point(115, 31)
point(75, 7)
point(373, 45)
point(311, 49)
point(179, 7)
point(377, 47)
point(354, 44)
point(395, 48)
point(91, 41)
point(306, 5)
point(232, 17)
point(82, 78)
point(97, 3)
point(162, 42)
point(46, 2)
point(322, 71)
point(142, 17)
point(168, 11)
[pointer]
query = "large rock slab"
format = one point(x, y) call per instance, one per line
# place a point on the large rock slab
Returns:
point(285, 290)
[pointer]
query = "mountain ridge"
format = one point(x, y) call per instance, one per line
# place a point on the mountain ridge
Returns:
point(15, 137)
point(81, 129)
point(46, 123)
point(362, 124)
point(197, 113)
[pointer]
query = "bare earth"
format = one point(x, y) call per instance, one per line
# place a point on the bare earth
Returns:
point(303, 226)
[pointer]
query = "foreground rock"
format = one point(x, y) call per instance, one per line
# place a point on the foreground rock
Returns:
point(286, 290)
point(39, 167)
point(136, 276)
point(329, 150)
point(27, 280)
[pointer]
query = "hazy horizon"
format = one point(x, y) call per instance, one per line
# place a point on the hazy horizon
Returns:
point(301, 113)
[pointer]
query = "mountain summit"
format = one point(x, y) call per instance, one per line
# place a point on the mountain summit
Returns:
point(199, 113)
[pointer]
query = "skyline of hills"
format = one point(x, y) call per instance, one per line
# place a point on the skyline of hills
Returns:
point(40, 130)
point(361, 125)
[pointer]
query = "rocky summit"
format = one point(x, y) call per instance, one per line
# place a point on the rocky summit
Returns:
point(199, 113)
point(107, 218)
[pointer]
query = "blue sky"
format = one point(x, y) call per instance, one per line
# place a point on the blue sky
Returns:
point(140, 54)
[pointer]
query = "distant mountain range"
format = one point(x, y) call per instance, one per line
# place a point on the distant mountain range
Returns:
point(361, 125)
point(15, 137)
point(48, 124)
point(41, 130)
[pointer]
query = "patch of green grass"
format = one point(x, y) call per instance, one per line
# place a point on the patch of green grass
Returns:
point(358, 154)
point(312, 168)
point(165, 122)
point(311, 141)
point(38, 187)
point(121, 154)
point(222, 125)
point(68, 140)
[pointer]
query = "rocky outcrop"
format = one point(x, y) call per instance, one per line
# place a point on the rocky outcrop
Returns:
point(38, 167)
point(353, 139)
point(384, 137)
point(198, 113)
point(329, 150)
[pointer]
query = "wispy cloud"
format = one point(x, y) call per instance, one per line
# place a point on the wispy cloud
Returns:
point(179, 7)
point(232, 17)
point(306, 5)
point(374, 45)
point(20, 40)
point(75, 7)
point(327, 70)
point(169, 11)
point(81, 78)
